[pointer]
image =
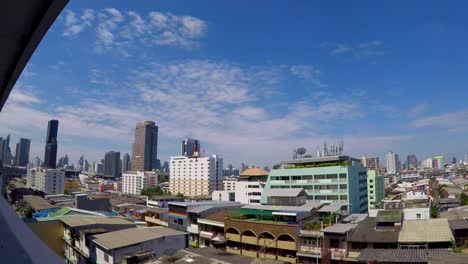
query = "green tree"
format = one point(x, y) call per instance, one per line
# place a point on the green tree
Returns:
point(180, 195)
point(463, 199)
point(434, 211)
point(153, 191)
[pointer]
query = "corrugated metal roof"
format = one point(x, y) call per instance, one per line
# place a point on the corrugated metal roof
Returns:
point(394, 255)
point(303, 208)
point(84, 221)
point(132, 236)
point(428, 230)
point(331, 208)
point(339, 228)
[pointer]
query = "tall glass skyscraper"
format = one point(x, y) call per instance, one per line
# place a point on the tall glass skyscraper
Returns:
point(145, 147)
point(190, 147)
point(22, 152)
point(50, 155)
point(112, 164)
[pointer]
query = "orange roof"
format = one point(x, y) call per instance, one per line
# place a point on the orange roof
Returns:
point(253, 172)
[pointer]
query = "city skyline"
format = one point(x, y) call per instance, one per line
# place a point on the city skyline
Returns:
point(331, 84)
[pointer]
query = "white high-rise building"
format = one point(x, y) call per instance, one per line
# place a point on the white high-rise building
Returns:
point(428, 163)
point(393, 163)
point(465, 160)
point(49, 181)
point(196, 176)
point(135, 182)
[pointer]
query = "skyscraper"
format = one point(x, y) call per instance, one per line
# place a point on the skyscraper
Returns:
point(145, 147)
point(112, 164)
point(5, 151)
point(126, 163)
point(392, 162)
point(412, 161)
point(22, 152)
point(50, 155)
point(190, 147)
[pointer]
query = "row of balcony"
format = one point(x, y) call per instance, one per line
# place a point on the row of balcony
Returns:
point(254, 254)
point(317, 181)
point(290, 245)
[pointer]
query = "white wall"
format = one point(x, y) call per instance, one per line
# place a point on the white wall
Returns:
point(243, 190)
point(412, 213)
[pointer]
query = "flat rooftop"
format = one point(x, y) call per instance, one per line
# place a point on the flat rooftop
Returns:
point(132, 236)
point(204, 256)
point(38, 203)
point(85, 221)
point(319, 159)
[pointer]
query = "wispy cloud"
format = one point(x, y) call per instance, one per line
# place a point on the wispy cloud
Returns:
point(452, 120)
point(358, 51)
point(120, 31)
point(418, 109)
point(74, 24)
point(307, 72)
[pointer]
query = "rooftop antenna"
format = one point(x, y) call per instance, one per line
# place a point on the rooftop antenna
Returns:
point(301, 151)
point(294, 154)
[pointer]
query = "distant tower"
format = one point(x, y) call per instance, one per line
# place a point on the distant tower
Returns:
point(50, 155)
point(145, 147)
point(126, 163)
point(112, 164)
point(22, 152)
point(190, 147)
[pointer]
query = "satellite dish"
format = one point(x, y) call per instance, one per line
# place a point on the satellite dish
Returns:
point(301, 151)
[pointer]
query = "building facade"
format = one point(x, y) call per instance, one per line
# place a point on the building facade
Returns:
point(135, 182)
point(22, 152)
point(412, 162)
point(126, 163)
point(439, 163)
point(375, 189)
point(190, 147)
point(112, 164)
point(392, 163)
point(229, 183)
point(145, 147)
point(50, 155)
point(196, 176)
point(49, 181)
point(250, 186)
point(372, 163)
point(332, 179)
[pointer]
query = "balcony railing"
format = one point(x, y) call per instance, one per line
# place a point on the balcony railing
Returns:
point(338, 253)
point(265, 242)
point(286, 245)
point(249, 240)
point(249, 253)
point(266, 256)
point(234, 251)
point(233, 237)
point(155, 221)
point(193, 229)
point(311, 250)
point(287, 259)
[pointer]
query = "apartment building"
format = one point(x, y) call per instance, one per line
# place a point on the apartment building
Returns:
point(375, 188)
point(229, 183)
point(329, 179)
point(194, 176)
point(49, 181)
point(135, 182)
point(250, 186)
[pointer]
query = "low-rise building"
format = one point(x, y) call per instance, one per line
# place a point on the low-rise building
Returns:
point(249, 187)
point(230, 183)
point(228, 196)
point(262, 231)
point(157, 216)
point(49, 181)
point(78, 233)
point(428, 233)
point(135, 182)
point(162, 201)
point(127, 245)
point(82, 201)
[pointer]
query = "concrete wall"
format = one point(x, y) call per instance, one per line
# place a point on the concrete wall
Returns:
point(83, 202)
point(412, 213)
point(51, 233)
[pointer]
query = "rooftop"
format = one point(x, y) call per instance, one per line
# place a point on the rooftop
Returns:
point(395, 255)
point(389, 216)
point(458, 224)
point(253, 172)
point(318, 160)
point(85, 221)
point(204, 256)
point(303, 208)
point(330, 208)
point(132, 236)
point(186, 204)
point(38, 203)
point(339, 228)
point(428, 230)
point(365, 231)
point(217, 217)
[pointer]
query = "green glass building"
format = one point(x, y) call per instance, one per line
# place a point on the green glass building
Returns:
point(331, 179)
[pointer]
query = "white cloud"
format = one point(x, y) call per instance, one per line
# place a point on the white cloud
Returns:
point(307, 72)
point(75, 25)
point(122, 31)
point(357, 51)
point(418, 109)
point(453, 120)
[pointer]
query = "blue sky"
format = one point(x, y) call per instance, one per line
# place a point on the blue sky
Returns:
point(252, 80)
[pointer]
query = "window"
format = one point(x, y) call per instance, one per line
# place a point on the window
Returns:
point(106, 257)
point(371, 181)
point(418, 216)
